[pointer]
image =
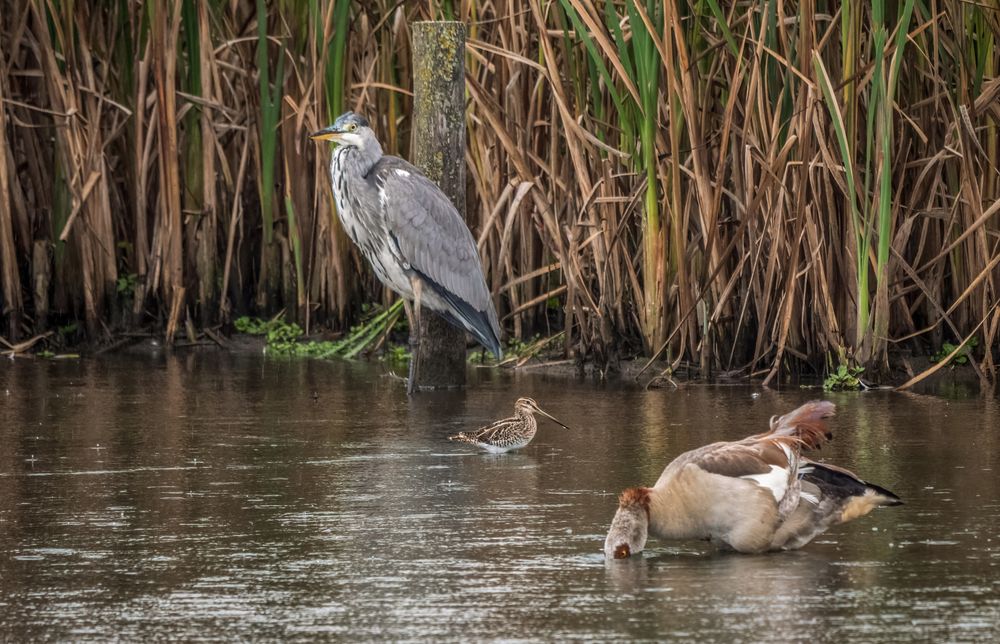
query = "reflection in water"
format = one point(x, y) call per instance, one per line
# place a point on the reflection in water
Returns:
point(227, 497)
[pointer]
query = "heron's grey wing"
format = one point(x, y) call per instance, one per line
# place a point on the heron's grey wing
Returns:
point(431, 235)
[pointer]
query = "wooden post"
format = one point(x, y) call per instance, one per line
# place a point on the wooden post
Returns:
point(439, 152)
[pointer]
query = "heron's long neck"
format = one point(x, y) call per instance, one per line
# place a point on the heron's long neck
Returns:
point(357, 162)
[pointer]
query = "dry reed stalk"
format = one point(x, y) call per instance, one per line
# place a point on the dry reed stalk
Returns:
point(167, 259)
point(203, 229)
point(10, 287)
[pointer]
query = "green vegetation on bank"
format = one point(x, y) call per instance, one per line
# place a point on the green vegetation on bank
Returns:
point(844, 378)
point(285, 338)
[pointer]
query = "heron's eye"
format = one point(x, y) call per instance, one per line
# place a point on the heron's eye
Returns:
point(352, 127)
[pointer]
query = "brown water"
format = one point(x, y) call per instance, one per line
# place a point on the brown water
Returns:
point(233, 498)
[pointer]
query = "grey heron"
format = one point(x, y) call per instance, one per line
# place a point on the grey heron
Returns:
point(407, 228)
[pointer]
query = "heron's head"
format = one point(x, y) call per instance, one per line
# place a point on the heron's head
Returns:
point(528, 405)
point(630, 527)
point(350, 130)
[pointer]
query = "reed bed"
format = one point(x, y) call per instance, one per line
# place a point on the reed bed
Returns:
point(746, 187)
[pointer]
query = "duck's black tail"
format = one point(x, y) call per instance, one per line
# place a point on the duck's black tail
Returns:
point(857, 497)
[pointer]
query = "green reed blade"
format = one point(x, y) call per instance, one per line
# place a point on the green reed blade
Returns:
point(584, 35)
point(720, 21)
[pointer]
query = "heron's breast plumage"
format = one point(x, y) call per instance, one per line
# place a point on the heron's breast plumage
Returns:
point(361, 215)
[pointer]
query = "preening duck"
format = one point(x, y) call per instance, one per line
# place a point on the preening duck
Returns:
point(753, 495)
point(510, 433)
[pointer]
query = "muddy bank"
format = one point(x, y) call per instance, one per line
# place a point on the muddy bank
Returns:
point(950, 380)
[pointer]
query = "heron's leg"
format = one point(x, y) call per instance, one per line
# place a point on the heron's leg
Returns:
point(412, 322)
point(408, 310)
point(414, 319)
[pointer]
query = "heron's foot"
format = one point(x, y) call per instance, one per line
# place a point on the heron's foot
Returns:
point(411, 389)
point(406, 380)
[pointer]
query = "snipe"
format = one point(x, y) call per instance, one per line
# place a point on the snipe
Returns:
point(510, 433)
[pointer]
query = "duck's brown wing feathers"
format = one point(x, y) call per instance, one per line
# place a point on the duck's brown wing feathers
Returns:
point(744, 458)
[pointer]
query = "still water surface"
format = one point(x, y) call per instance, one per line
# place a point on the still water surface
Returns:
point(224, 497)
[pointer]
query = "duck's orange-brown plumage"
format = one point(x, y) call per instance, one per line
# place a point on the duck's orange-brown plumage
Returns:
point(751, 495)
point(635, 496)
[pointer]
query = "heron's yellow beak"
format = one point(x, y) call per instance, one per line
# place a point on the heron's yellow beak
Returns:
point(326, 134)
